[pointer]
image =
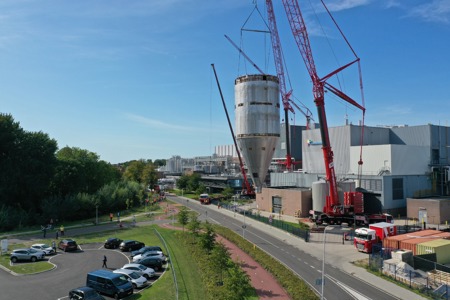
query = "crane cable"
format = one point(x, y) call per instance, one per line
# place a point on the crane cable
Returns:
point(360, 162)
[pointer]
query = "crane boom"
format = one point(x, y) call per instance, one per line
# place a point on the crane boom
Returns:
point(278, 59)
point(300, 33)
point(285, 94)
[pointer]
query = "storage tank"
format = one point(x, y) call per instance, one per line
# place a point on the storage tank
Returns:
point(320, 191)
point(257, 123)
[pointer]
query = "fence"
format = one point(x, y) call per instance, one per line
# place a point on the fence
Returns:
point(422, 272)
point(295, 230)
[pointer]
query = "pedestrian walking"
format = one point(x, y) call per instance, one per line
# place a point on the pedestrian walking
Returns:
point(57, 234)
point(61, 229)
point(44, 230)
point(51, 223)
point(104, 262)
point(110, 217)
point(54, 246)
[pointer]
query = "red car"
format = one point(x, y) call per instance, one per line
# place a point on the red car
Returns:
point(68, 245)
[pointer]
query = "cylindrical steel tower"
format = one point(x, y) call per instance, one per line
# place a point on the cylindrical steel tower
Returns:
point(257, 113)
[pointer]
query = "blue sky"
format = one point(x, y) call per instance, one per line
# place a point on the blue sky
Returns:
point(133, 79)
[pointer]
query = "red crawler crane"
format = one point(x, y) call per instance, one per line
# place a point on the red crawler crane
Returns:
point(333, 211)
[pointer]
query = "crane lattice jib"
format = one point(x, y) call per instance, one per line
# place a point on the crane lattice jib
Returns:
point(277, 52)
point(300, 33)
point(298, 28)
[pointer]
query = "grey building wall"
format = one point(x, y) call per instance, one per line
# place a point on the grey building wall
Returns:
point(383, 191)
point(295, 139)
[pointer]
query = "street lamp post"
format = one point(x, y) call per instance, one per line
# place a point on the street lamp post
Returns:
point(96, 215)
point(243, 227)
point(323, 258)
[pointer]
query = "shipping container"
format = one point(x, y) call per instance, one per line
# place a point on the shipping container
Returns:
point(393, 242)
point(439, 246)
point(411, 244)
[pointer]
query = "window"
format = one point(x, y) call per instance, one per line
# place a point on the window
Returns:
point(397, 188)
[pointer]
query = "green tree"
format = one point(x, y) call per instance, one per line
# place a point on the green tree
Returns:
point(159, 162)
point(194, 182)
point(220, 260)
point(27, 161)
point(228, 192)
point(194, 224)
point(201, 189)
point(81, 171)
point(182, 182)
point(208, 237)
point(134, 171)
point(149, 175)
point(183, 216)
point(237, 283)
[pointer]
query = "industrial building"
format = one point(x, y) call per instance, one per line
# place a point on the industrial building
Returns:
point(399, 163)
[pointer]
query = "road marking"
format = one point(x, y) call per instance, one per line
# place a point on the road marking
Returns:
point(350, 290)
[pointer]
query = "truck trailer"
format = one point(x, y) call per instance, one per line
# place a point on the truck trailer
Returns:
point(366, 238)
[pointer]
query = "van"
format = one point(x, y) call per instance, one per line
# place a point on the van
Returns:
point(109, 283)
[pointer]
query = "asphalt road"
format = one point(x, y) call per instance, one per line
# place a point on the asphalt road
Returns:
point(338, 284)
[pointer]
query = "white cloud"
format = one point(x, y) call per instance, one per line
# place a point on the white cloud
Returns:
point(160, 125)
point(437, 11)
point(339, 5)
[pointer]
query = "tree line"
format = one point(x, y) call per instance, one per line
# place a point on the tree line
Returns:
point(39, 182)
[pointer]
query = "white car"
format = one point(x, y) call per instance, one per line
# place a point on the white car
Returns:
point(136, 280)
point(158, 254)
point(43, 247)
point(140, 269)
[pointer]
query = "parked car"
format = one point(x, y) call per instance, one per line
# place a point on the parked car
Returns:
point(152, 262)
point(158, 254)
point(84, 293)
point(112, 243)
point(107, 282)
point(68, 245)
point(138, 281)
point(26, 254)
point(130, 245)
point(145, 249)
point(140, 269)
point(43, 247)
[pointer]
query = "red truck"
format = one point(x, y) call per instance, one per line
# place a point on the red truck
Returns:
point(204, 199)
point(366, 238)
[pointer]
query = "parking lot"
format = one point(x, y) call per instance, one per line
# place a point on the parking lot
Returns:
point(69, 272)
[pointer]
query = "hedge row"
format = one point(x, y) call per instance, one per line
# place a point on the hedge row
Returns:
point(295, 287)
point(221, 277)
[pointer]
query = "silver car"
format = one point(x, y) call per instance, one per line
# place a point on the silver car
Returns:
point(157, 254)
point(26, 254)
point(43, 247)
point(140, 269)
point(136, 280)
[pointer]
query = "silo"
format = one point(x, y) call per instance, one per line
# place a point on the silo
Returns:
point(257, 122)
point(320, 191)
